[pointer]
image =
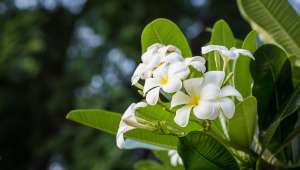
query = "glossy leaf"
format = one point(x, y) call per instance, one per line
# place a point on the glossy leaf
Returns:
point(109, 122)
point(242, 76)
point(289, 139)
point(201, 151)
point(271, 74)
point(241, 127)
point(292, 105)
point(275, 21)
point(221, 35)
point(295, 70)
point(165, 32)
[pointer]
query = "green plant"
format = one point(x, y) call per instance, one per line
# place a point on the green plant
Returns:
point(239, 113)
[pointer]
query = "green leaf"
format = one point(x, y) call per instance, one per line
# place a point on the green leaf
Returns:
point(238, 43)
point(165, 119)
point(166, 161)
point(241, 127)
point(109, 122)
point(292, 105)
point(201, 151)
point(165, 32)
point(221, 35)
point(242, 76)
point(148, 165)
point(295, 70)
point(289, 139)
point(271, 74)
point(276, 22)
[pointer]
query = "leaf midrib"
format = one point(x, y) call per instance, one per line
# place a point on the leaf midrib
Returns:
point(278, 23)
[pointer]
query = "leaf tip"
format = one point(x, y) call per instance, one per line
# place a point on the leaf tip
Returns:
point(70, 115)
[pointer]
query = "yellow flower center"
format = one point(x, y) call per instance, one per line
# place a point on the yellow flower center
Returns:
point(164, 80)
point(194, 100)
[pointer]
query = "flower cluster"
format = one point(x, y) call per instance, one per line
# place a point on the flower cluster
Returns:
point(165, 71)
point(163, 67)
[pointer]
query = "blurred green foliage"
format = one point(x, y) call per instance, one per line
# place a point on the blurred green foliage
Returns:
point(58, 55)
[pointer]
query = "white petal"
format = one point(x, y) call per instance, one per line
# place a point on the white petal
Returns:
point(153, 62)
point(196, 62)
point(205, 110)
point(214, 77)
point(183, 115)
point(129, 111)
point(123, 128)
point(128, 116)
point(244, 53)
point(152, 96)
point(174, 84)
point(180, 160)
point(172, 57)
point(179, 98)
point(140, 105)
point(210, 92)
point(137, 73)
point(227, 91)
point(161, 70)
point(151, 50)
point(227, 106)
point(172, 152)
point(210, 48)
point(189, 60)
point(178, 69)
point(155, 47)
point(150, 83)
point(173, 160)
point(169, 49)
point(193, 86)
point(229, 54)
point(214, 111)
point(146, 57)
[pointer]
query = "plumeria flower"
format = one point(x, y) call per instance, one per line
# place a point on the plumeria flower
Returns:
point(155, 55)
point(228, 54)
point(128, 122)
point(196, 62)
point(166, 77)
point(175, 159)
point(171, 54)
point(150, 60)
point(205, 97)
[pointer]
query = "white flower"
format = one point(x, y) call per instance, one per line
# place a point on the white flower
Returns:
point(128, 122)
point(196, 62)
point(232, 53)
point(155, 55)
point(175, 159)
point(206, 97)
point(150, 60)
point(165, 77)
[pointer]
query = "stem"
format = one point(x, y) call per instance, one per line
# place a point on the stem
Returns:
point(225, 63)
point(139, 86)
point(165, 106)
point(218, 64)
point(166, 95)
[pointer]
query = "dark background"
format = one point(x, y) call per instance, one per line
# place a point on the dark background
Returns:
point(59, 55)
